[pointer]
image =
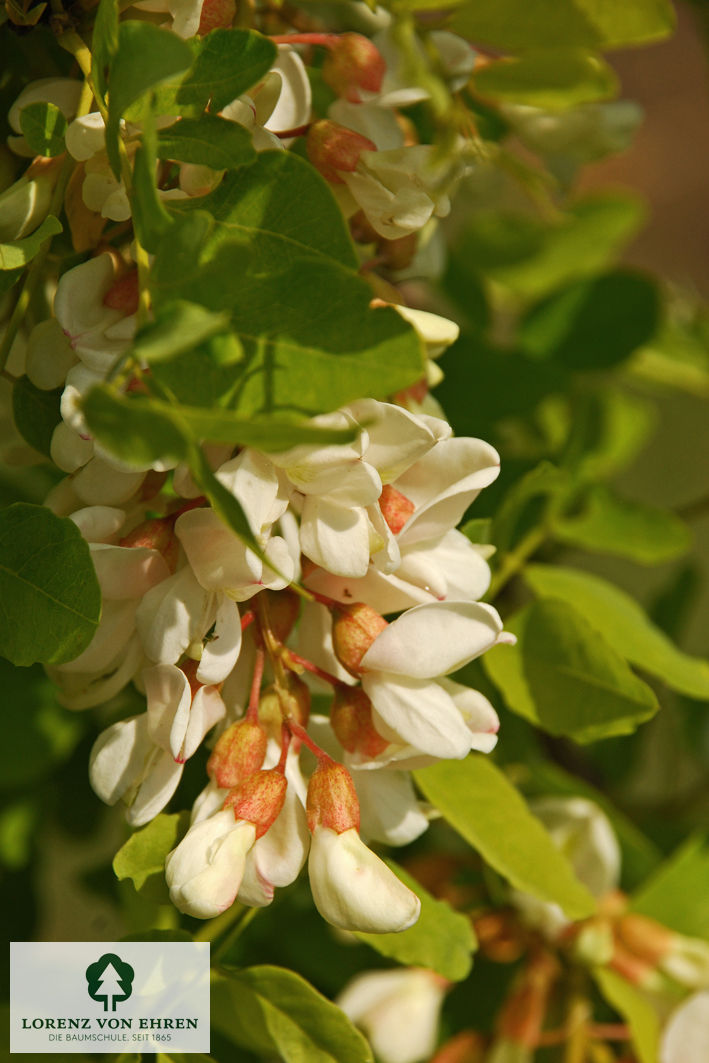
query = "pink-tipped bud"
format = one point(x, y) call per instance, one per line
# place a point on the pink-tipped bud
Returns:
point(353, 62)
point(259, 799)
point(351, 720)
point(396, 508)
point(332, 799)
point(123, 294)
point(332, 147)
point(216, 15)
point(354, 629)
point(239, 753)
point(156, 534)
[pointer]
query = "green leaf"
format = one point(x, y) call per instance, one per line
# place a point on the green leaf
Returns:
point(177, 328)
point(135, 429)
point(596, 323)
point(36, 413)
point(554, 79)
point(38, 732)
point(624, 624)
point(209, 141)
point(140, 429)
point(311, 340)
point(227, 63)
point(638, 1012)
point(544, 481)
point(48, 587)
point(531, 258)
point(441, 938)
point(478, 530)
point(677, 895)
point(145, 57)
point(104, 42)
point(142, 857)
point(44, 127)
point(484, 807)
point(520, 25)
point(276, 1012)
point(150, 218)
point(17, 253)
point(246, 208)
point(579, 685)
point(613, 525)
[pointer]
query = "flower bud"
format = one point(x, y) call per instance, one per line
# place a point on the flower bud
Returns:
point(156, 534)
point(332, 147)
point(283, 609)
point(398, 1010)
point(466, 1047)
point(354, 629)
point(204, 872)
point(647, 939)
point(216, 14)
point(353, 63)
point(522, 1016)
point(332, 799)
point(500, 936)
point(239, 753)
point(123, 294)
point(353, 889)
point(259, 799)
point(351, 720)
point(396, 508)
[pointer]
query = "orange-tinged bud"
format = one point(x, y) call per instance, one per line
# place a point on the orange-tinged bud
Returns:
point(351, 719)
point(289, 702)
point(500, 935)
point(216, 15)
point(332, 147)
point(354, 629)
point(465, 1047)
point(156, 534)
point(353, 62)
point(259, 799)
point(416, 393)
point(283, 610)
point(123, 293)
point(332, 799)
point(239, 753)
point(649, 940)
point(522, 1016)
point(396, 508)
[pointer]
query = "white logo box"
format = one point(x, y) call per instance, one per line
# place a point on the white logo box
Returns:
point(109, 996)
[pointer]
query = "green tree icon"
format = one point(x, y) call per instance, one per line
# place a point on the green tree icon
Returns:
point(110, 979)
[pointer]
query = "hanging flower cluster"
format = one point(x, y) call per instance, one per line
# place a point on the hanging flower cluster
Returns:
point(356, 581)
point(217, 639)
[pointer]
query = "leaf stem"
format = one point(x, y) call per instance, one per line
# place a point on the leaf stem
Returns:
point(515, 560)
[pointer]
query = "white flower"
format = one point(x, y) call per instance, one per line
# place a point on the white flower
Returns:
point(176, 617)
point(398, 1010)
point(353, 889)
point(408, 707)
point(583, 832)
point(204, 872)
point(432, 561)
point(125, 764)
point(686, 1035)
point(64, 93)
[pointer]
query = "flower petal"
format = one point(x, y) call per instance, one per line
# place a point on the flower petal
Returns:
point(434, 639)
